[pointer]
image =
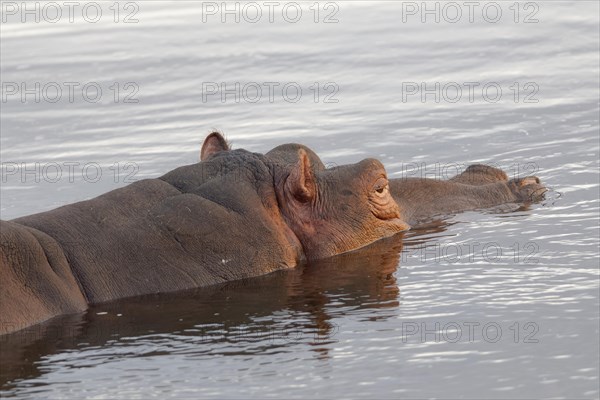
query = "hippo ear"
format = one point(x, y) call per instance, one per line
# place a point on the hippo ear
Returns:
point(213, 143)
point(301, 181)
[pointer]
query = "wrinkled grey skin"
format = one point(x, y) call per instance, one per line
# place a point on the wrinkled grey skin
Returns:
point(478, 187)
point(231, 216)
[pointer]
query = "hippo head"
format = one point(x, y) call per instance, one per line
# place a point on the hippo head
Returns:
point(338, 209)
point(330, 210)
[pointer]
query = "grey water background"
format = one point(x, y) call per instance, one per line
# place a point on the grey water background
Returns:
point(481, 305)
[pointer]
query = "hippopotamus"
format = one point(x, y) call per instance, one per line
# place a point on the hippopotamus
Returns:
point(233, 215)
point(421, 199)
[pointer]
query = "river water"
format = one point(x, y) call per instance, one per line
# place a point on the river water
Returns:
point(480, 305)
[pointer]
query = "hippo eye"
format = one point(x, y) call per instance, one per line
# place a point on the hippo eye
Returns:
point(381, 187)
point(382, 190)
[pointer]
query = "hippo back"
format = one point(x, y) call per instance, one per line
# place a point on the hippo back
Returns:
point(198, 225)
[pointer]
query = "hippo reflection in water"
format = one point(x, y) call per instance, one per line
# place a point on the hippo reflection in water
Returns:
point(305, 300)
point(234, 215)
